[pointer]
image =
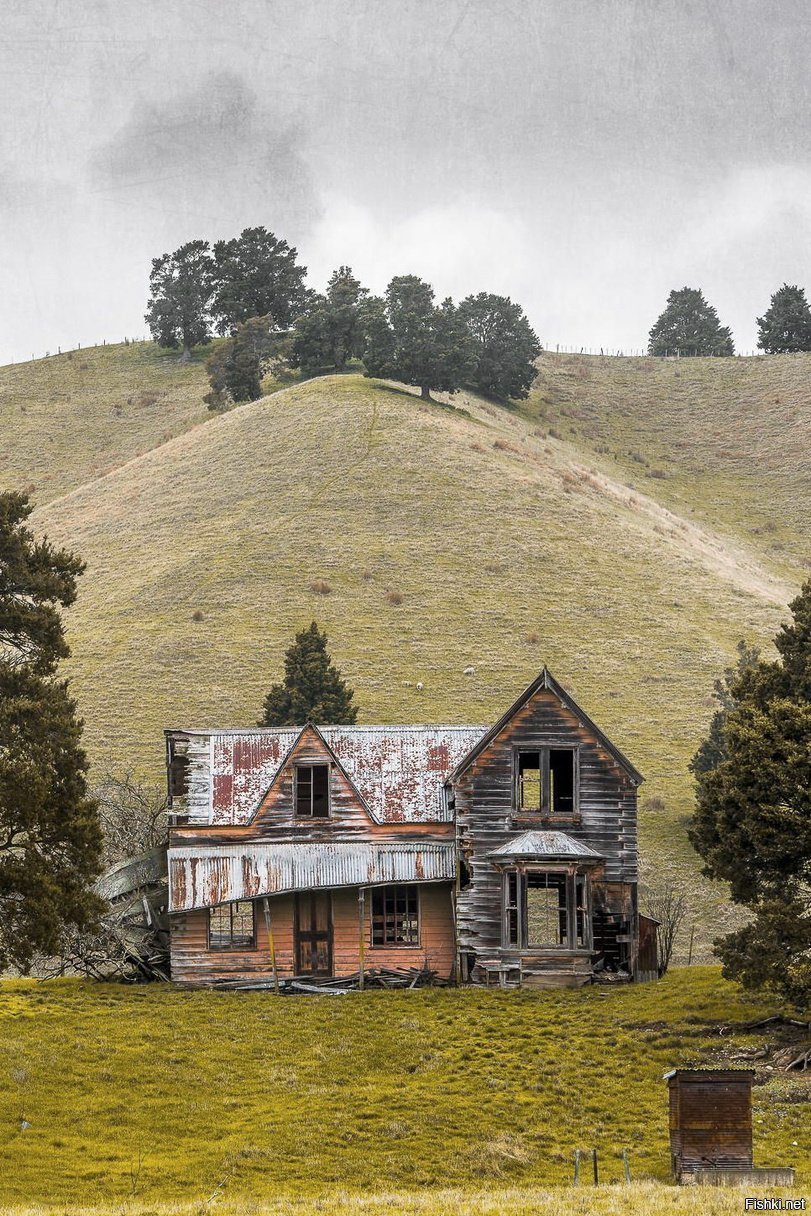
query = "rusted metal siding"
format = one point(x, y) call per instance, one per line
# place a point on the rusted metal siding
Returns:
point(486, 820)
point(194, 964)
point(399, 771)
point(710, 1118)
point(200, 877)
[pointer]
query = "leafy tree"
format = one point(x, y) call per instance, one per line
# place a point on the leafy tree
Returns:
point(50, 839)
point(180, 288)
point(313, 690)
point(505, 343)
point(236, 367)
point(689, 326)
point(408, 338)
point(752, 824)
point(256, 275)
point(786, 324)
point(330, 332)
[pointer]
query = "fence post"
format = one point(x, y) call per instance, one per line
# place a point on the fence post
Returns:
point(594, 1163)
point(626, 1165)
point(577, 1167)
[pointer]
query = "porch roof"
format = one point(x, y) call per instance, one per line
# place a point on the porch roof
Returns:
point(545, 846)
point(200, 876)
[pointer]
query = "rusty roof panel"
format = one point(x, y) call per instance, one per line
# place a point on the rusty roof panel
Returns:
point(398, 770)
point(200, 878)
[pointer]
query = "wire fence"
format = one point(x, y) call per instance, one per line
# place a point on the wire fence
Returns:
point(634, 353)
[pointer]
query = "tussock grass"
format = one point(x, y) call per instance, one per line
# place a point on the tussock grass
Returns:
point(418, 1101)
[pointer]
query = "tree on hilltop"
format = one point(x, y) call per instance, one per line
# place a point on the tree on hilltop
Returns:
point(506, 346)
point(50, 837)
point(409, 338)
point(786, 324)
point(689, 326)
point(313, 689)
point(329, 332)
point(236, 367)
point(256, 274)
point(752, 824)
point(180, 287)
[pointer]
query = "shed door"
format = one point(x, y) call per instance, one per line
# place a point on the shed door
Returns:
point(313, 933)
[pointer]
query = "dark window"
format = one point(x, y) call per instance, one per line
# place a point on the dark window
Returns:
point(511, 909)
point(178, 774)
point(312, 790)
point(232, 926)
point(395, 916)
point(545, 781)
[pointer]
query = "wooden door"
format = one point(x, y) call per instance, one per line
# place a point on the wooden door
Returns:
point(313, 933)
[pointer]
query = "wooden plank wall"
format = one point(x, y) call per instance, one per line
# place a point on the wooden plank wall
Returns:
point(484, 813)
point(194, 963)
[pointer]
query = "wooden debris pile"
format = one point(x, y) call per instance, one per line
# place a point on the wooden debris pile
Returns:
point(374, 977)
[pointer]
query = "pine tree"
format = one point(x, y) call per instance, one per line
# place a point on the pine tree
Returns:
point(256, 274)
point(329, 333)
point(408, 338)
point(689, 326)
point(236, 367)
point(506, 346)
point(180, 290)
point(786, 324)
point(313, 689)
point(752, 824)
point(50, 838)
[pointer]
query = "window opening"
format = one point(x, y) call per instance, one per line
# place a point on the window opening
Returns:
point(395, 916)
point(529, 781)
point(312, 790)
point(511, 909)
point(546, 910)
point(561, 780)
point(232, 926)
point(545, 781)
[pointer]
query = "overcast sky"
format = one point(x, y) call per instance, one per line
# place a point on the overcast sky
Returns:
point(581, 156)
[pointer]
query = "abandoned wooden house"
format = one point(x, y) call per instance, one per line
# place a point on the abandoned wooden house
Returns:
point(504, 855)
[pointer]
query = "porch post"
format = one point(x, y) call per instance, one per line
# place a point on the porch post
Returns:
point(271, 944)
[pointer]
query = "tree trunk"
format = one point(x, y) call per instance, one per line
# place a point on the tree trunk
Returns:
point(425, 392)
point(186, 356)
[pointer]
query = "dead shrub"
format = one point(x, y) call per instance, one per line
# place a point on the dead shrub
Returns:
point(320, 586)
point(532, 639)
point(394, 597)
point(498, 1155)
point(367, 576)
point(658, 474)
point(476, 447)
point(654, 804)
point(501, 445)
point(148, 399)
point(197, 615)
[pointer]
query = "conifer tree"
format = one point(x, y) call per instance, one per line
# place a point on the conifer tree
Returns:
point(179, 293)
point(329, 332)
point(50, 838)
point(752, 824)
point(786, 324)
point(313, 689)
point(689, 326)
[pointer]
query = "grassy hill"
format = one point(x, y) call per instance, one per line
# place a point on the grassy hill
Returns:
point(577, 530)
point(136, 1096)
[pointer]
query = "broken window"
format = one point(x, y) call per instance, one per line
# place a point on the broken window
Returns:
point(178, 773)
point(395, 916)
point(232, 926)
point(545, 781)
point(312, 790)
point(546, 910)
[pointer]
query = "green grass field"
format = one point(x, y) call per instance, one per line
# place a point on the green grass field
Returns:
point(602, 528)
point(137, 1097)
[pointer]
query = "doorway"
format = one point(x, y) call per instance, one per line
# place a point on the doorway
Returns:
point(313, 933)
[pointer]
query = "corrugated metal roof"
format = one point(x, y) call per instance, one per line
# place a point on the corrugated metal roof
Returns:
point(201, 876)
point(545, 846)
point(398, 770)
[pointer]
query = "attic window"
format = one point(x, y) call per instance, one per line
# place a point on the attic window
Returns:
point(546, 782)
point(312, 791)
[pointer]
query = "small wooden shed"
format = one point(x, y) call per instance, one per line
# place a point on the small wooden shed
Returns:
point(710, 1118)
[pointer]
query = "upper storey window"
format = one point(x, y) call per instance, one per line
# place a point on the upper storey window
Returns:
point(312, 791)
point(546, 782)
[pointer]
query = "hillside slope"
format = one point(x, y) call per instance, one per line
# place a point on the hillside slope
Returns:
point(450, 537)
point(71, 418)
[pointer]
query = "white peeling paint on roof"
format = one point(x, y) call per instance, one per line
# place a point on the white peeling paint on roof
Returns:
point(545, 844)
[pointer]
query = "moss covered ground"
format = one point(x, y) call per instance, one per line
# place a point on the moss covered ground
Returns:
point(155, 1095)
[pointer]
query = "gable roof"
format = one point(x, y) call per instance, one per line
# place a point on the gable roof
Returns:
point(310, 728)
point(545, 680)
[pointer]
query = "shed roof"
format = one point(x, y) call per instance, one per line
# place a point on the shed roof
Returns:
point(545, 846)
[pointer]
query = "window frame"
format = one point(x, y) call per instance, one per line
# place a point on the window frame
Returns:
point(380, 893)
point(231, 947)
point(546, 811)
point(298, 813)
point(578, 910)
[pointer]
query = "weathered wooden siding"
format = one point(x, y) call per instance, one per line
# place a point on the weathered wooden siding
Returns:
point(194, 963)
point(606, 818)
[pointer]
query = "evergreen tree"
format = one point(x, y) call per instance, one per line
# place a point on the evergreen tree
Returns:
point(689, 326)
point(50, 838)
point(752, 824)
point(180, 290)
point(330, 332)
point(236, 367)
point(256, 275)
point(505, 343)
point(786, 324)
point(313, 689)
point(408, 338)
